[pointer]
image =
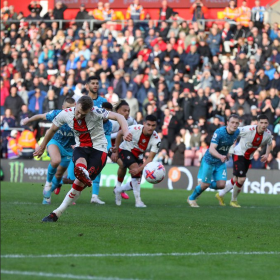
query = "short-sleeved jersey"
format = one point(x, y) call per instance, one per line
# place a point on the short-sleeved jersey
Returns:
point(99, 101)
point(116, 128)
point(64, 135)
point(89, 131)
point(140, 143)
point(250, 141)
point(224, 140)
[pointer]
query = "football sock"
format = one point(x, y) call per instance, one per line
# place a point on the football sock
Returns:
point(51, 172)
point(197, 191)
point(228, 187)
point(236, 190)
point(119, 182)
point(213, 185)
point(125, 187)
point(135, 182)
point(70, 197)
point(55, 183)
point(95, 185)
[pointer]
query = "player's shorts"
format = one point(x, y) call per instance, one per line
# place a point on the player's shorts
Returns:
point(240, 166)
point(95, 159)
point(128, 158)
point(208, 172)
point(66, 155)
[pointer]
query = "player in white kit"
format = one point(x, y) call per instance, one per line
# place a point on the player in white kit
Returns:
point(90, 153)
point(122, 108)
point(130, 155)
point(252, 137)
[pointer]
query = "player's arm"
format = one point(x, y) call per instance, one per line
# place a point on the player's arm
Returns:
point(139, 169)
point(39, 117)
point(213, 151)
point(50, 133)
point(119, 138)
point(268, 150)
point(127, 136)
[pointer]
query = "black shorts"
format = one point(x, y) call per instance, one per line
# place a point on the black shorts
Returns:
point(128, 158)
point(240, 165)
point(95, 159)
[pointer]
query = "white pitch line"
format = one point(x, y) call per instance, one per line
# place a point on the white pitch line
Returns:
point(138, 255)
point(55, 275)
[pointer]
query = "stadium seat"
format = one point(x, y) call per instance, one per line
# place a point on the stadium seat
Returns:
point(189, 154)
point(188, 161)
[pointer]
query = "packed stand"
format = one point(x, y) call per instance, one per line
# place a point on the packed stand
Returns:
point(190, 78)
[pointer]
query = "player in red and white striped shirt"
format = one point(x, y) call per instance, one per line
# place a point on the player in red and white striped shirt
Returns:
point(130, 155)
point(90, 153)
point(252, 137)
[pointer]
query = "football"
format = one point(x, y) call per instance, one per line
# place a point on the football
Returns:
point(154, 172)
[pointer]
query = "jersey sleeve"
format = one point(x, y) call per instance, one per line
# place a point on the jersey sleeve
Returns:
point(245, 130)
point(156, 143)
point(216, 136)
point(60, 119)
point(52, 114)
point(100, 112)
point(134, 122)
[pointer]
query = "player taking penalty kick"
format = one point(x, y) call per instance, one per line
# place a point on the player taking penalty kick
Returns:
point(90, 153)
point(251, 138)
point(213, 163)
point(130, 155)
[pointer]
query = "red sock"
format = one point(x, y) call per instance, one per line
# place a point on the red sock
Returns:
point(238, 185)
point(81, 165)
point(120, 179)
point(77, 187)
point(232, 182)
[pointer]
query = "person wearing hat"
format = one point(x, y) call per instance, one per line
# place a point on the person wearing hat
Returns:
point(81, 15)
point(59, 9)
point(14, 149)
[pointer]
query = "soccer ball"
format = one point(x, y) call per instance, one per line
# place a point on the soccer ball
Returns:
point(154, 172)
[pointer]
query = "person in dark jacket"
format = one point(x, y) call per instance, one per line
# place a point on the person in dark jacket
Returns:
point(50, 102)
point(178, 148)
point(58, 11)
point(35, 5)
point(200, 105)
point(165, 12)
point(81, 15)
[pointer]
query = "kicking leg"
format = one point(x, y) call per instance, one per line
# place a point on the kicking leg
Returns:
point(236, 190)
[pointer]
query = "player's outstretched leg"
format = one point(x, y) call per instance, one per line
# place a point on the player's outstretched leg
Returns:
point(192, 198)
point(119, 190)
point(136, 182)
point(82, 174)
point(220, 195)
point(95, 190)
point(69, 199)
point(48, 184)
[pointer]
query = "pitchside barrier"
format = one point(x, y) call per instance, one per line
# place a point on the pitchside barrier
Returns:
point(258, 181)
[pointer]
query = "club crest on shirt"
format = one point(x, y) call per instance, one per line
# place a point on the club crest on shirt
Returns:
point(144, 141)
point(79, 122)
point(258, 139)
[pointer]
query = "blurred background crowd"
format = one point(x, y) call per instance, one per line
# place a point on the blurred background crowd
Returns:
point(189, 74)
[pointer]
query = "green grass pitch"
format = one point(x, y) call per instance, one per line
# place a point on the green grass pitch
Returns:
point(210, 242)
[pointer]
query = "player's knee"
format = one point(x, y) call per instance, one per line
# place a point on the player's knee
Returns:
point(241, 180)
point(55, 162)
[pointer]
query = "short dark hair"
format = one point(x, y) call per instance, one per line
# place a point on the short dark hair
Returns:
point(235, 116)
point(107, 105)
point(151, 118)
point(86, 102)
point(262, 117)
point(91, 78)
point(120, 104)
point(69, 100)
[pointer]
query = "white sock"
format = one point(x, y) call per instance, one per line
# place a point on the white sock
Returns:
point(235, 193)
point(94, 195)
point(136, 188)
point(118, 184)
point(70, 197)
point(48, 186)
point(125, 187)
point(228, 187)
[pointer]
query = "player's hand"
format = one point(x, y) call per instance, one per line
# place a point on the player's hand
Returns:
point(73, 146)
point(134, 171)
point(264, 158)
point(39, 151)
point(114, 157)
point(24, 121)
point(223, 158)
point(127, 137)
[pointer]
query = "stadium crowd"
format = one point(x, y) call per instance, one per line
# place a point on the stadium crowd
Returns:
point(189, 77)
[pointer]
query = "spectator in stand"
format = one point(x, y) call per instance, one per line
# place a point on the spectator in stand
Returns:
point(27, 143)
point(258, 15)
point(271, 163)
point(178, 148)
point(59, 10)
point(35, 5)
point(25, 113)
point(198, 10)
point(214, 41)
point(14, 149)
point(98, 12)
point(14, 102)
point(165, 12)
point(4, 93)
point(274, 32)
point(36, 100)
point(195, 138)
point(192, 60)
point(133, 103)
point(111, 96)
point(262, 80)
point(50, 102)
point(81, 15)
